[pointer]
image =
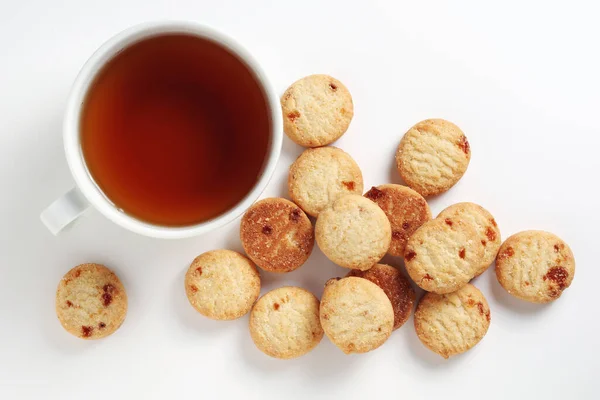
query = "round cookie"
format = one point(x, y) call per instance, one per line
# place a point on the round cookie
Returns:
point(353, 232)
point(432, 156)
point(91, 302)
point(356, 314)
point(222, 284)
point(450, 324)
point(406, 209)
point(443, 255)
point(322, 175)
point(277, 235)
point(284, 323)
point(396, 287)
point(535, 266)
point(485, 225)
point(317, 110)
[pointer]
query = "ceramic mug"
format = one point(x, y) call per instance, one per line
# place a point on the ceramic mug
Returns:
point(86, 193)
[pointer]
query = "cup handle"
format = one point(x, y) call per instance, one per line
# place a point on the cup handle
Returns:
point(64, 210)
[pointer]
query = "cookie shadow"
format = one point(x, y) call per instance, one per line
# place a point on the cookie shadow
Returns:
point(189, 319)
point(232, 237)
point(429, 360)
point(393, 174)
point(65, 343)
point(509, 302)
point(321, 364)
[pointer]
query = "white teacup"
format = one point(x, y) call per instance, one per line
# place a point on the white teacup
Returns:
point(87, 193)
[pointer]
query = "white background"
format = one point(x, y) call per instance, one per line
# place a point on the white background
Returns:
point(520, 78)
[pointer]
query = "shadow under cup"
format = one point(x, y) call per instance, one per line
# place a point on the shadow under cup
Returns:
point(175, 130)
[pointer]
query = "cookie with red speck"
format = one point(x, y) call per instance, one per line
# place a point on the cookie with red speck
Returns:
point(353, 232)
point(452, 323)
point(432, 156)
point(277, 235)
point(91, 302)
point(284, 323)
point(485, 225)
point(317, 110)
point(322, 175)
point(222, 284)
point(443, 255)
point(535, 266)
point(406, 209)
point(356, 314)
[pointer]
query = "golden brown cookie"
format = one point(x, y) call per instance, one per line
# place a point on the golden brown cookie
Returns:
point(406, 209)
point(535, 266)
point(353, 232)
point(277, 235)
point(284, 323)
point(356, 314)
point(432, 156)
point(91, 302)
point(317, 110)
point(443, 255)
point(485, 225)
point(222, 284)
point(322, 175)
point(452, 323)
point(396, 287)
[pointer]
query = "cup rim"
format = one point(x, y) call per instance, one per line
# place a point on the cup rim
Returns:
point(72, 142)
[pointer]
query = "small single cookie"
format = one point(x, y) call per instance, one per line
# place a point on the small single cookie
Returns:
point(91, 302)
point(356, 314)
point(222, 284)
point(277, 235)
point(485, 225)
point(535, 266)
point(432, 156)
point(317, 110)
point(353, 232)
point(406, 209)
point(452, 323)
point(443, 255)
point(396, 287)
point(322, 175)
point(284, 323)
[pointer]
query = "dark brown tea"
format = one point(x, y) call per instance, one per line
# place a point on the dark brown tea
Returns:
point(175, 130)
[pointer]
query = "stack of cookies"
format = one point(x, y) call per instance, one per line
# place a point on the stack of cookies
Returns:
point(359, 311)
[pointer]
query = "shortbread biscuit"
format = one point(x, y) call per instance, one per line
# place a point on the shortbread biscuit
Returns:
point(91, 302)
point(535, 266)
point(277, 235)
point(222, 284)
point(432, 156)
point(353, 232)
point(485, 225)
point(443, 255)
point(396, 287)
point(356, 314)
point(322, 175)
point(317, 110)
point(452, 323)
point(406, 209)
point(284, 323)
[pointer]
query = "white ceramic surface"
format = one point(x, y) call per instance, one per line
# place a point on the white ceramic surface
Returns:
point(70, 206)
point(521, 78)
